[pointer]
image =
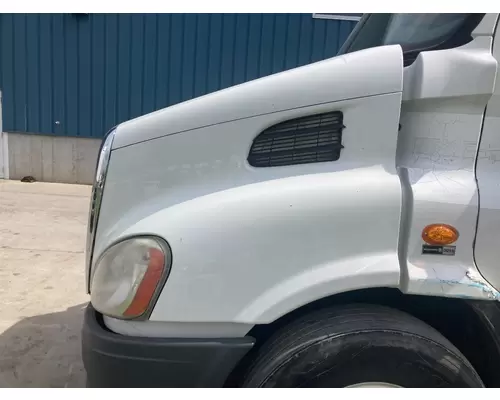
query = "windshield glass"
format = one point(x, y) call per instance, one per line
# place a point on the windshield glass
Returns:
point(414, 32)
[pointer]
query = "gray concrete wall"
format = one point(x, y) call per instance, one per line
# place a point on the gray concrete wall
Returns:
point(52, 158)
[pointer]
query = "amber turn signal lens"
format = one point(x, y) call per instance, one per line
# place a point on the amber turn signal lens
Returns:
point(439, 234)
point(148, 284)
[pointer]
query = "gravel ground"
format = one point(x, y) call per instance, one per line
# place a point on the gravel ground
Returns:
point(42, 239)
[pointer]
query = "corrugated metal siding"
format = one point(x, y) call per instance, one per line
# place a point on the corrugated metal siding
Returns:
point(75, 75)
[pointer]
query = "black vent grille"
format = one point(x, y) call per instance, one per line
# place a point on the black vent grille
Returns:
point(313, 139)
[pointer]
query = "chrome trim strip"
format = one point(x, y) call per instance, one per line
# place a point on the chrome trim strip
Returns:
point(95, 201)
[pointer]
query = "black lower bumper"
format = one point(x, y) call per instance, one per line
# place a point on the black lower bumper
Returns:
point(113, 360)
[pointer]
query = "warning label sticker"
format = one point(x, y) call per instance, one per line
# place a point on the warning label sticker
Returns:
point(438, 250)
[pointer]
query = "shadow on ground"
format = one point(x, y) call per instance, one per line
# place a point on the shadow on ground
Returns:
point(43, 351)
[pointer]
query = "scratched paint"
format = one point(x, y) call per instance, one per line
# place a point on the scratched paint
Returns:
point(455, 281)
point(479, 282)
point(435, 150)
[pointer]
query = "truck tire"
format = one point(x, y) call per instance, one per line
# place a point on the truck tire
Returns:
point(360, 346)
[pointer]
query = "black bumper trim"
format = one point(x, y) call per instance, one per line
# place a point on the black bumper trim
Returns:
point(113, 360)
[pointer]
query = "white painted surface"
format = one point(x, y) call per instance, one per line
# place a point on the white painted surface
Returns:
point(164, 329)
point(251, 244)
point(487, 248)
point(314, 84)
point(487, 25)
point(441, 122)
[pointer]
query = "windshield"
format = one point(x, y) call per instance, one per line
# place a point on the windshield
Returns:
point(414, 32)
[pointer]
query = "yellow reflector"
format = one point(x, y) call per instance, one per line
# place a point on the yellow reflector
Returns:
point(439, 234)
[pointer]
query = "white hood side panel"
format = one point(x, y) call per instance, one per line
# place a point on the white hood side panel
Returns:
point(345, 77)
point(251, 244)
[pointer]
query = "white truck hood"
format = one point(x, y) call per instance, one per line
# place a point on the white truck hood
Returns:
point(355, 75)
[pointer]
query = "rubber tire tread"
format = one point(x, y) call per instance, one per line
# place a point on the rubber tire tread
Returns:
point(342, 321)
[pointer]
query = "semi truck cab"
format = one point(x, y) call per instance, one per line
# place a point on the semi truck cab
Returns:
point(333, 225)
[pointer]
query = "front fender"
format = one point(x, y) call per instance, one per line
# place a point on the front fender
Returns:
point(252, 253)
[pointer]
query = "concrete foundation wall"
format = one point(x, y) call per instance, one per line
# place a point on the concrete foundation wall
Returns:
point(52, 158)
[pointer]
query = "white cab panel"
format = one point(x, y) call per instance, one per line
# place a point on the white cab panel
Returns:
point(487, 245)
point(445, 95)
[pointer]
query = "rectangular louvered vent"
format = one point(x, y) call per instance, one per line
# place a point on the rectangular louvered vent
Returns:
point(317, 138)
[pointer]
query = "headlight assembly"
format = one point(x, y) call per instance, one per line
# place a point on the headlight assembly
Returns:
point(129, 276)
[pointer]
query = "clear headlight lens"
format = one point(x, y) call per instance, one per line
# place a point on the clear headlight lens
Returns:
point(129, 275)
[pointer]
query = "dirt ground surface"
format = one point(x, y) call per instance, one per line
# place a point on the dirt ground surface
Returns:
point(42, 293)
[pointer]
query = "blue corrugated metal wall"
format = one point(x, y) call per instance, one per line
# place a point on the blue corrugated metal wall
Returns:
point(78, 75)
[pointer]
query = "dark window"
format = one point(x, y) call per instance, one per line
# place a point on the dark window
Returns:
point(414, 32)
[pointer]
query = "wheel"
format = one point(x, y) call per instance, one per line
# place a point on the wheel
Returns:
point(360, 346)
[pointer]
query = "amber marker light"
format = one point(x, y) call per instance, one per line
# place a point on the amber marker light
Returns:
point(439, 234)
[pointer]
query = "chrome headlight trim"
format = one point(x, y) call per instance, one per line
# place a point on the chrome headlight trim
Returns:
point(95, 200)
